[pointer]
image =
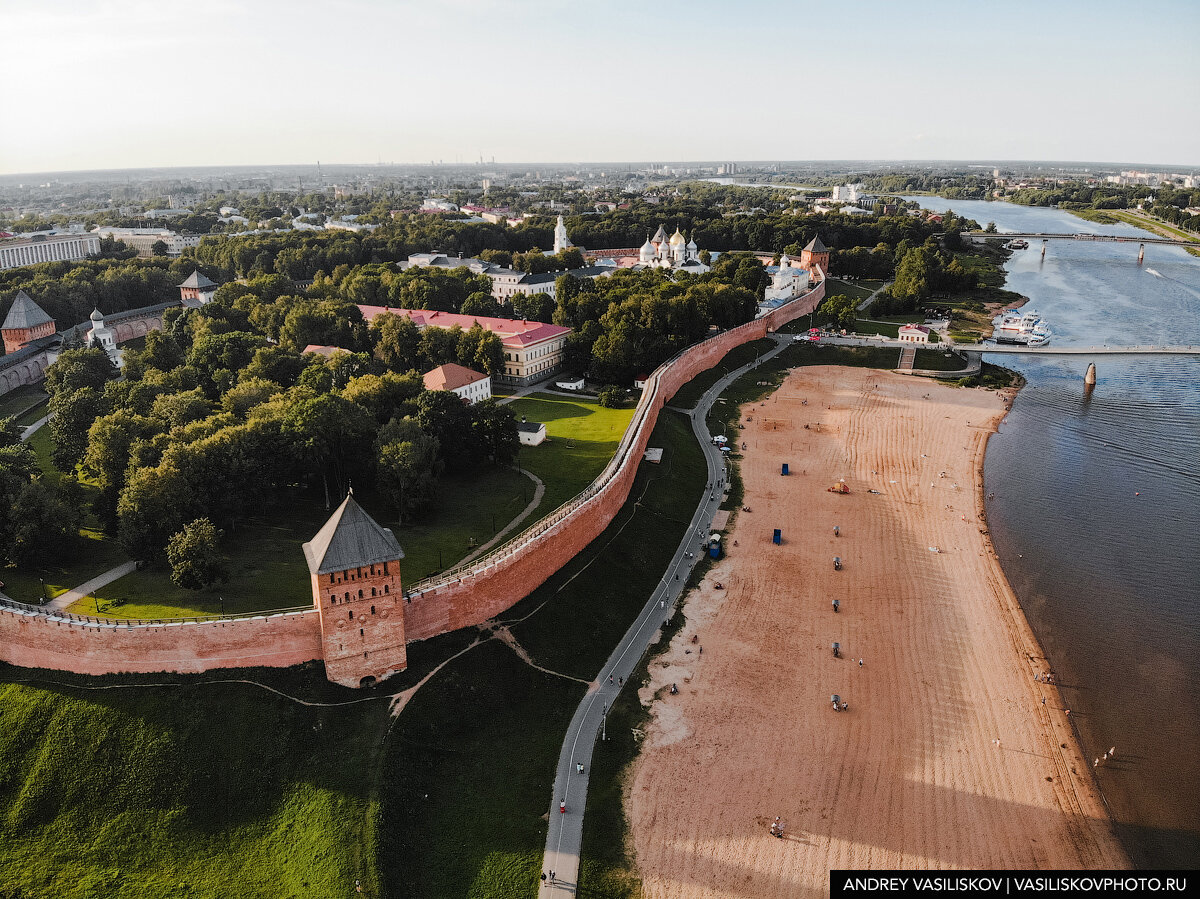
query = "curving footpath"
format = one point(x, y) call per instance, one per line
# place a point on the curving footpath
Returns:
point(565, 836)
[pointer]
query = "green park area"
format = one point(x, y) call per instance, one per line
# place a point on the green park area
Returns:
point(581, 437)
point(263, 555)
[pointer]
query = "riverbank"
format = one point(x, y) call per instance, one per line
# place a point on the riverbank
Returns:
point(947, 755)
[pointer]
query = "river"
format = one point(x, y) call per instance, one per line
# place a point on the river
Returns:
point(1096, 513)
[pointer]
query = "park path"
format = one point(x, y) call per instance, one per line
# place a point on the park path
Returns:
point(33, 428)
point(539, 490)
point(866, 304)
point(565, 836)
point(101, 580)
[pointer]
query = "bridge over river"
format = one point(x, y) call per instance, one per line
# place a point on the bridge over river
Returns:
point(1016, 348)
point(1110, 238)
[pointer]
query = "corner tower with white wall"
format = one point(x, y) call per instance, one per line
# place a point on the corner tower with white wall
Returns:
point(355, 566)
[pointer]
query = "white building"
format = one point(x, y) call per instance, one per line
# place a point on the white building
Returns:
point(436, 205)
point(561, 241)
point(676, 252)
point(914, 334)
point(67, 247)
point(144, 239)
point(531, 433)
point(471, 385)
point(104, 337)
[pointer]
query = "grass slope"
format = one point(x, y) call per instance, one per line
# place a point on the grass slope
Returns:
point(200, 790)
point(689, 394)
point(482, 739)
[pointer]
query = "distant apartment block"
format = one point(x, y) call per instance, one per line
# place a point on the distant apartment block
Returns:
point(144, 239)
point(37, 249)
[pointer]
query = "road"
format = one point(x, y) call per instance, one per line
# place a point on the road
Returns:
point(565, 836)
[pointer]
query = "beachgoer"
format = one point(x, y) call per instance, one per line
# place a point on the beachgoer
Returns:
point(860, 663)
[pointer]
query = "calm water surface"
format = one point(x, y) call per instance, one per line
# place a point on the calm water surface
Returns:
point(1096, 514)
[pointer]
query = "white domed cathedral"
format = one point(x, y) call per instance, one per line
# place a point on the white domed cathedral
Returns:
point(676, 252)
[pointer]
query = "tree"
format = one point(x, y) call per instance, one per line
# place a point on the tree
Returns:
point(913, 275)
point(407, 466)
point(195, 556)
point(332, 434)
point(397, 342)
point(159, 248)
point(495, 431)
point(443, 415)
point(76, 369)
point(74, 413)
point(42, 521)
point(537, 307)
point(612, 397)
point(843, 310)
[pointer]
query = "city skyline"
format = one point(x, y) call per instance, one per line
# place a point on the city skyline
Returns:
point(539, 81)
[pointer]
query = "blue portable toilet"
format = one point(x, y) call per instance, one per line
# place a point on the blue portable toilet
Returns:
point(785, 469)
point(777, 537)
point(714, 551)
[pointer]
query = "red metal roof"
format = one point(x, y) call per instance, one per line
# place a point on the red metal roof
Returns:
point(513, 332)
point(451, 376)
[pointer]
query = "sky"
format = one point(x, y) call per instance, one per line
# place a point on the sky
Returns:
point(145, 83)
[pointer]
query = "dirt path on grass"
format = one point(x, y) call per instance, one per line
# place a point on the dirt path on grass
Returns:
point(947, 756)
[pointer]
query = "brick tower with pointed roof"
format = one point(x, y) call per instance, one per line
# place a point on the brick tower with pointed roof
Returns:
point(26, 321)
point(355, 566)
point(815, 254)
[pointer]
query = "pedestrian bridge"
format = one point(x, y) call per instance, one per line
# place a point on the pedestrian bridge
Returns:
point(1103, 350)
point(1109, 238)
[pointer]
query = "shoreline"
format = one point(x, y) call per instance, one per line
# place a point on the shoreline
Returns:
point(1077, 825)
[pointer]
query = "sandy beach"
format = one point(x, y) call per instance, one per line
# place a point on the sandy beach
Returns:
point(952, 753)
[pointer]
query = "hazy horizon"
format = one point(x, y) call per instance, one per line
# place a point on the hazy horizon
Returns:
point(136, 84)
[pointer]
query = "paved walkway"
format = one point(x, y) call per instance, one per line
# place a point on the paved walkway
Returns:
point(565, 835)
point(539, 490)
point(30, 430)
point(866, 304)
point(101, 580)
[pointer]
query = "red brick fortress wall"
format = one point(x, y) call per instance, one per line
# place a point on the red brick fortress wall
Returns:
point(513, 571)
point(468, 596)
point(33, 638)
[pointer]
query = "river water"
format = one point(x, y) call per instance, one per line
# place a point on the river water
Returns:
point(1096, 513)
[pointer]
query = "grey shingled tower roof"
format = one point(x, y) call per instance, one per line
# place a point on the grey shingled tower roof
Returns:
point(197, 280)
point(25, 313)
point(815, 245)
point(350, 539)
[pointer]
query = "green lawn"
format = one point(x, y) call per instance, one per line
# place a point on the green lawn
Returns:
point(200, 791)
point(857, 291)
point(689, 394)
point(266, 560)
point(938, 360)
point(22, 398)
point(89, 554)
point(581, 438)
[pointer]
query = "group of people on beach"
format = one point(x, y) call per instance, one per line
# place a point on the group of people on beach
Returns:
point(777, 828)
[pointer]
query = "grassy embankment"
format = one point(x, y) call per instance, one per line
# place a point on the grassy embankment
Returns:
point(23, 402)
point(471, 762)
point(689, 394)
point(199, 790)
